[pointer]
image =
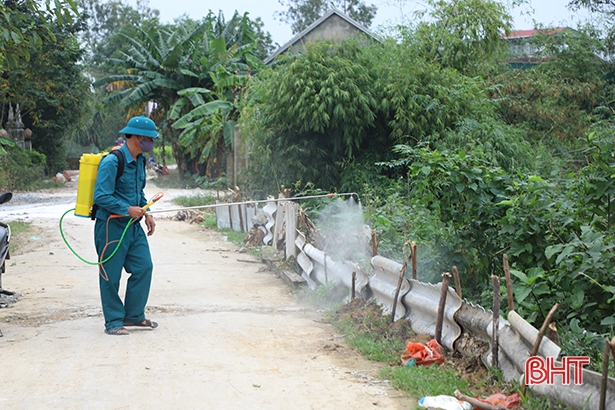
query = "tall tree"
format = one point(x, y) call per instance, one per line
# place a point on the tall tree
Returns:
point(106, 20)
point(51, 90)
point(302, 13)
point(604, 7)
point(463, 34)
point(176, 69)
point(107, 24)
point(18, 37)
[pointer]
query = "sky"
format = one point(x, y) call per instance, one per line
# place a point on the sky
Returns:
point(390, 12)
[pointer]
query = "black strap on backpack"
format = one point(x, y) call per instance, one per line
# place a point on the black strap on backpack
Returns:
point(120, 171)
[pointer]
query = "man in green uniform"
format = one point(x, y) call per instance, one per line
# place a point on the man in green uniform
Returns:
point(125, 197)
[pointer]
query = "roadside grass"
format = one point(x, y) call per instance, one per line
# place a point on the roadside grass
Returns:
point(19, 230)
point(209, 214)
point(327, 297)
point(35, 185)
point(233, 236)
point(385, 350)
point(421, 381)
point(237, 238)
point(19, 227)
point(210, 221)
point(370, 332)
point(195, 200)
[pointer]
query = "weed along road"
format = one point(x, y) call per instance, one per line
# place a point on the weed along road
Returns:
point(231, 334)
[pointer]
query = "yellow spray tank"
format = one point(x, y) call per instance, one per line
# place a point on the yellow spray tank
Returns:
point(88, 170)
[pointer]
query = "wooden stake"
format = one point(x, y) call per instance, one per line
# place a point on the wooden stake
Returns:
point(613, 349)
point(553, 334)
point(477, 403)
point(402, 273)
point(457, 282)
point(239, 210)
point(543, 329)
point(605, 374)
point(495, 360)
point(414, 260)
point(541, 333)
point(511, 303)
point(240, 213)
point(374, 243)
point(446, 277)
point(354, 281)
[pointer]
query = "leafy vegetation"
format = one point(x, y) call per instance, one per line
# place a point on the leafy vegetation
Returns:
point(463, 34)
point(192, 75)
point(23, 170)
point(19, 37)
point(469, 167)
point(50, 88)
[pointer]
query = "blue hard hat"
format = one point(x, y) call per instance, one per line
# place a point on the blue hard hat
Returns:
point(142, 126)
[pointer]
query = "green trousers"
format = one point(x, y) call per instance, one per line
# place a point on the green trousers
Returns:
point(134, 256)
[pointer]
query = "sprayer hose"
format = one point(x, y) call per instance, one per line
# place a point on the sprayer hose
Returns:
point(78, 256)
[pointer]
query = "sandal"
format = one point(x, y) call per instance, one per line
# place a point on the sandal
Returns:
point(143, 323)
point(117, 331)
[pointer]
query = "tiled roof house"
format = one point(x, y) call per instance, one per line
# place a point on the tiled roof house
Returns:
point(333, 25)
point(523, 52)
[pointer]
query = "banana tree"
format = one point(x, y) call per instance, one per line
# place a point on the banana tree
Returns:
point(176, 69)
point(154, 66)
point(207, 116)
point(212, 116)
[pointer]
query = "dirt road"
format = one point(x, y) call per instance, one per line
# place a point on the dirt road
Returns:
point(231, 334)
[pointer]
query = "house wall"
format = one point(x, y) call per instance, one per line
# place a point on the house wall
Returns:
point(522, 47)
point(334, 28)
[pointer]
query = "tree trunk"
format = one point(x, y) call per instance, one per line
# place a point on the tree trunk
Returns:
point(216, 167)
point(182, 166)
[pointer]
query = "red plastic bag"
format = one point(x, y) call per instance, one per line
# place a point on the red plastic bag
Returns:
point(510, 402)
point(423, 354)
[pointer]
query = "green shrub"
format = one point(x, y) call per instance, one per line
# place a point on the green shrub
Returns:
point(22, 170)
point(169, 159)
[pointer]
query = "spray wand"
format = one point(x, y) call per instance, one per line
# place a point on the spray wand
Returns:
point(152, 201)
point(159, 195)
point(332, 195)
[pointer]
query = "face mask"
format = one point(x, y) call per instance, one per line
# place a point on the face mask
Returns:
point(146, 145)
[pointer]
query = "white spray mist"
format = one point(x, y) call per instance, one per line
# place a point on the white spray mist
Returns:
point(345, 235)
